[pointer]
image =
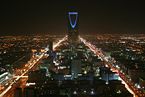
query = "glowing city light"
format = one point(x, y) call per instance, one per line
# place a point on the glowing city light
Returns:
point(59, 42)
point(73, 23)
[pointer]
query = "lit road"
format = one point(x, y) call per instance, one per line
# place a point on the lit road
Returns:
point(129, 86)
point(21, 73)
point(59, 42)
point(16, 79)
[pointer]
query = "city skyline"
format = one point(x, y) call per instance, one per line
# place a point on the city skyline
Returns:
point(48, 17)
point(74, 64)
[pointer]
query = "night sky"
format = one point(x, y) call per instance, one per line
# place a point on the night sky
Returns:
point(95, 16)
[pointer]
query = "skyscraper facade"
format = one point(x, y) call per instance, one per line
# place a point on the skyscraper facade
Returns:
point(73, 26)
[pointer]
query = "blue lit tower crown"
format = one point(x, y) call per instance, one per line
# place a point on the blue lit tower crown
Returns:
point(73, 26)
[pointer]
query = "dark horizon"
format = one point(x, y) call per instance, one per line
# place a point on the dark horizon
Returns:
point(32, 17)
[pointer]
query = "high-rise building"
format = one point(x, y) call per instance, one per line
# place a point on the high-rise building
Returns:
point(50, 46)
point(75, 68)
point(18, 92)
point(29, 92)
point(50, 52)
point(73, 26)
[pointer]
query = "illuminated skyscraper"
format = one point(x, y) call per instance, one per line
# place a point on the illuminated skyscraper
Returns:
point(73, 26)
point(75, 68)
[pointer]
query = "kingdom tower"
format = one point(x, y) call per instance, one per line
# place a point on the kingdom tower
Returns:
point(72, 26)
